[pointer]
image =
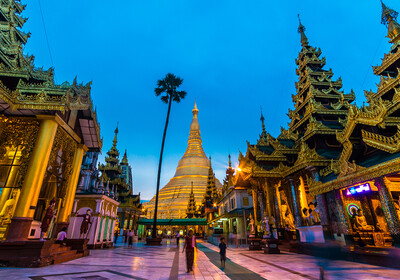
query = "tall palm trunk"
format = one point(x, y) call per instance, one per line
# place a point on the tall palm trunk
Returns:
point(154, 232)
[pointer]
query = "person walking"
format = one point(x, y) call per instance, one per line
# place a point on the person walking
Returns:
point(130, 238)
point(222, 251)
point(178, 235)
point(190, 245)
point(116, 236)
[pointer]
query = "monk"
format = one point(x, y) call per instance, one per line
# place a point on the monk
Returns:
point(47, 218)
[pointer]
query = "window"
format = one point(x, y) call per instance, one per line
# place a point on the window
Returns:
point(245, 201)
point(233, 203)
point(9, 166)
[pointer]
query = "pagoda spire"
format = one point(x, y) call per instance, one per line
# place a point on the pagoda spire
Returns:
point(194, 147)
point(230, 162)
point(264, 132)
point(124, 160)
point(115, 137)
point(191, 207)
point(388, 18)
point(301, 29)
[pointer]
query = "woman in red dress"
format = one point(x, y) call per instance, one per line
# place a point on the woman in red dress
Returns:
point(190, 244)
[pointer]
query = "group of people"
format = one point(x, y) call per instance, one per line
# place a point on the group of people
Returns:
point(190, 246)
point(128, 235)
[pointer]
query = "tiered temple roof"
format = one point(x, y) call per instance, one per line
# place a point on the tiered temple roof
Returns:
point(26, 90)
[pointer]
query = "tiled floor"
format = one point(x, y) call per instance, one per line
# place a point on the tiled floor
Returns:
point(166, 262)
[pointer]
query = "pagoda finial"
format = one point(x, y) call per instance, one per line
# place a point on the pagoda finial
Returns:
point(230, 162)
point(301, 30)
point(124, 159)
point(388, 14)
point(115, 137)
point(388, 18)
point(195, 110)
point(264, 132)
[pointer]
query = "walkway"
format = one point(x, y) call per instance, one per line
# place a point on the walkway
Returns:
point(166, 262)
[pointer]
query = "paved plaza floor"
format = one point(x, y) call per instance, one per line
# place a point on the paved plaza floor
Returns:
point(166, 262)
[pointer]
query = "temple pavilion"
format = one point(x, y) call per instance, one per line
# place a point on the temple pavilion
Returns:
point(334, 172)
point(192, 175)
point(45, 129)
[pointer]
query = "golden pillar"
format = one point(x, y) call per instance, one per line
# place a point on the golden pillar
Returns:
point(23, 214)
point(255, 205)
point(72, 183)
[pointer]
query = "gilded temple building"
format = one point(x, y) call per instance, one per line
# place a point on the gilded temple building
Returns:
point(45, 130)
point(334, 173)
point(117, 177)
point(194, 168)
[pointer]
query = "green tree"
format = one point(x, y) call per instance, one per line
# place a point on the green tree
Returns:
point(168, 89)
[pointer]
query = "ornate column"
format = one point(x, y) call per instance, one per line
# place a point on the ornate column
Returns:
point(255, 204)
point(23, 215)
point(321, 198)
point(72, 183)
point(269, 204)
point(277, 202)
point(389, 209)
point(296, 203)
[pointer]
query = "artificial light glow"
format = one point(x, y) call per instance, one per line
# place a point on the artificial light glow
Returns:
point(358, 189)
point(215, 204)
point(239, 169)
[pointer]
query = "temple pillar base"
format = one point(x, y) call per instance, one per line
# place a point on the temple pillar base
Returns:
point(153, 241)
point(18, 229)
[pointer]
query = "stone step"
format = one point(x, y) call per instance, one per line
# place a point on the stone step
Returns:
point(67, 257)
point(57, 249)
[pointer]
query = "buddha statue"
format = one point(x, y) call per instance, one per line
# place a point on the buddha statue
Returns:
point(314, 215)
point(252, 226)
point(265, 226)
point(360, 222)
point(8, 209)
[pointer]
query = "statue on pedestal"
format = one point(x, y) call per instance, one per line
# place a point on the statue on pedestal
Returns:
point(252, 226)
point(265, 226)
point(48, 217)
point(360, 222)
point(307, 218)
point(314, 215)
point(8, 209)
point(85, 223)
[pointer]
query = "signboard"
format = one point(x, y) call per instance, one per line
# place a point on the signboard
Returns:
point(360, 189)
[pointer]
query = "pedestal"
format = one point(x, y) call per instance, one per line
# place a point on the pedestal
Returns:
point(272, 246)
point(19, 229)
point(312, 234)
point(80, 245)
point(255, 244)
point(153, 241)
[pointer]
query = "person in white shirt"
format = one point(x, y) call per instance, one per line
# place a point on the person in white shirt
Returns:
point(61, 236)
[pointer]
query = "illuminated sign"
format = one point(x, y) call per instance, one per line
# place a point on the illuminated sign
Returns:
point(358, 189)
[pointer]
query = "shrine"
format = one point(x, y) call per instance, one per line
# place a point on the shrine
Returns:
point(45, 130)
point(333, 174)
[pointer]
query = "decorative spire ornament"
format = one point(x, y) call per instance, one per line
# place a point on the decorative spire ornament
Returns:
point(301, 30)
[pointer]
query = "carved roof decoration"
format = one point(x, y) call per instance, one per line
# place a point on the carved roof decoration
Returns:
point(23, 86)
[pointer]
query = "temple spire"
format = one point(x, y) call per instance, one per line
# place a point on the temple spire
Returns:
point(115, 137)
point(388, 18)
point(301, 30)
point(124, 160)
point(191, 207)
point(230, 162)
point(264, 132)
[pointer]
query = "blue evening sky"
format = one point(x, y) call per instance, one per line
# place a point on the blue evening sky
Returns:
point(234, 57)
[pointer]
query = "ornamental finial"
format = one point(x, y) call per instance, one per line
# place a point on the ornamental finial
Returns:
point(388, 14)
point(230, 162)
point(301, 30)
point(264, 132)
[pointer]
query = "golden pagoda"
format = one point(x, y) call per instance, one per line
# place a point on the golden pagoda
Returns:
point(193, 167)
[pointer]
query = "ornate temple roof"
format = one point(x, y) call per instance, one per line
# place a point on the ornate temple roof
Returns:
point(192, 167)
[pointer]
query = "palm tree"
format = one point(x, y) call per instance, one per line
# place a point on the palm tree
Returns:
point(168, 88)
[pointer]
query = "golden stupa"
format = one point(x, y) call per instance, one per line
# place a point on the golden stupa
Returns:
point(193, 167)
